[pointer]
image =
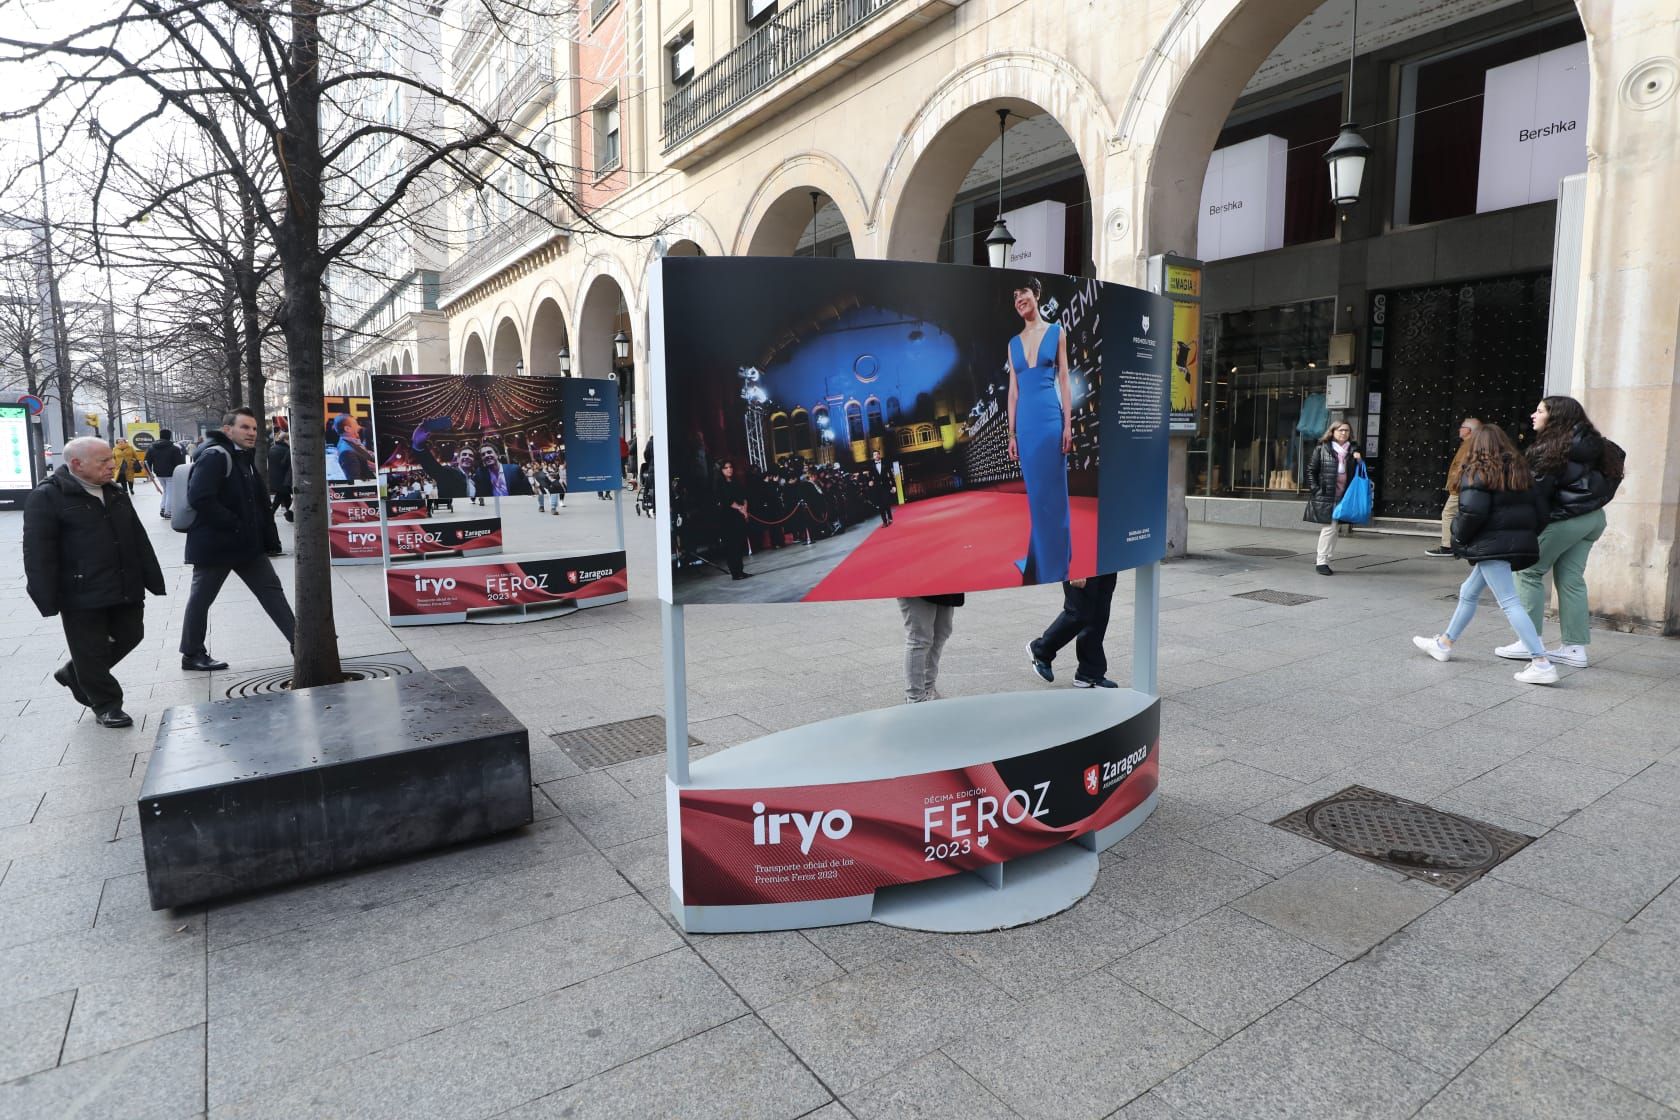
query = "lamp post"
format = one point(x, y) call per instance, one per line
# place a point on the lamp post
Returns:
point(999, 240)
point(621, 347)
point(1346, 157)
point(565, 361)
point(519, 368)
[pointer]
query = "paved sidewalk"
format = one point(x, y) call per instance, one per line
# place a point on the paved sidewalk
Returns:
point(1222, 968)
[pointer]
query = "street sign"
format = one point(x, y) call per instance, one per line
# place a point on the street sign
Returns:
point(33, 403)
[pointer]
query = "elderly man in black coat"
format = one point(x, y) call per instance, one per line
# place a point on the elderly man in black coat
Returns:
point(87, 560)
point(232, 533)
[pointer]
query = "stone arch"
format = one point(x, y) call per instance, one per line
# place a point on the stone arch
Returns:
point(408, 363)
point(959, 121)
point(507, 349)
point(548, 335)
point(597, 321)
point(781, 206)
point(473, 359)
point(685, 248)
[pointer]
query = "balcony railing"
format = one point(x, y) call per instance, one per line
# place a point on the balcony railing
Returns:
point(792, 36)
point(496, 249)
point(532, 78)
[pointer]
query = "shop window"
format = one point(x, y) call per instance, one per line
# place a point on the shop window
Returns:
point(682, 58)
point(1439, 132)
point(1265, 399)
point(606, 136)
point(1308, 126)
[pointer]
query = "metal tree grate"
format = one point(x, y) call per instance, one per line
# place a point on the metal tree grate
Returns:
point(608, 744)
point(1264, 553)
point(1441, 848)
point(372, 668)
point(1280, 598)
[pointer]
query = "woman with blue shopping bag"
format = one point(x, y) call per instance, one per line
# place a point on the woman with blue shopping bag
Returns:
point(1334, 468)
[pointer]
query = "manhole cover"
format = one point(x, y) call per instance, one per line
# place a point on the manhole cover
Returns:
point(1281, 598)
point(1441, 848)
point(375, 667)
point(1267, 553)
point(608, 744)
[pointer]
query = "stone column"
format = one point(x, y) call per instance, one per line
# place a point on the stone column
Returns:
point(1629, 317)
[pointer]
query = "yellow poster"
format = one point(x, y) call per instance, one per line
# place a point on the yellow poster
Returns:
point(1186, 361)
point(141, 436)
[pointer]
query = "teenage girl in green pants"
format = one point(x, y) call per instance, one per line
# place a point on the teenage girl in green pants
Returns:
point(1578, 472)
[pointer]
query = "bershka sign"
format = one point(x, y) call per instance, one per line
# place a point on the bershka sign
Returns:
point(1040, 232)
point(1534, 118)
point(743, 847)
point(1242, 199)
point(443, 591)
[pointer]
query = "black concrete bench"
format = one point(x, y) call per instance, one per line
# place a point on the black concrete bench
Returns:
point(250, 793)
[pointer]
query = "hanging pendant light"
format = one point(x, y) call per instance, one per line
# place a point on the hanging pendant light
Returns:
point(1346, 157)
point(999, 240)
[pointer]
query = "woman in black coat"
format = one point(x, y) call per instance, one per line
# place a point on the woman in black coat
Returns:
point(280, 474)
point(1328, 471)
point(1497, 529)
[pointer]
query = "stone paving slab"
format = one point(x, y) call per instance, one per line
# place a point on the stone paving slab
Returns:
point(1221, 968)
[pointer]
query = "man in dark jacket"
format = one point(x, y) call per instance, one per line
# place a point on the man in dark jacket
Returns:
point(87, 560)
point(233, 532)
point(280, 474)
point(161, 460)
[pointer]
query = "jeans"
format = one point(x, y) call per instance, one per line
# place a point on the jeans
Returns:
point(926, 628)
point(1497, 575)
point(207, 580)
point(1563, 551)
point(1083, 621)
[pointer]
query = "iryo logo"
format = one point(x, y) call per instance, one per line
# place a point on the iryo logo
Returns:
point(440, 585)
point(362, 537)
point(836, 824)
point(1093, 780)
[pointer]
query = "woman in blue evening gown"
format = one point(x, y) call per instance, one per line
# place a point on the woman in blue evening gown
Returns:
point(1040, 436)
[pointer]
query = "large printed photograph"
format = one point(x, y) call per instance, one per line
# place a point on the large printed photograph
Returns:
point(871, 429)
point(466, 438)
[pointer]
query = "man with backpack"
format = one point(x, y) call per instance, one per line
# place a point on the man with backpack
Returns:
point(230, 531)
point(162, 457)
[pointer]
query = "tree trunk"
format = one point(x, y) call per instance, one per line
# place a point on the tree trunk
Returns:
point(256, 388)
point(232, 357)
point(315, 660)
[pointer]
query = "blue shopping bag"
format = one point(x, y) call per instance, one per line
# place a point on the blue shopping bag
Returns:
point(1355, 505)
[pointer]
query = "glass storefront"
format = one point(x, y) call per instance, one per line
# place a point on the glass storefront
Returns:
point(1263, 394)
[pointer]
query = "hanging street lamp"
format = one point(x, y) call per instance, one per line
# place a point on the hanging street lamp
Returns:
point(999, 240)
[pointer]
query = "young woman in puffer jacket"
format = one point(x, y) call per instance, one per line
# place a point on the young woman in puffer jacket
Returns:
point(1497, 529)
point(1576, 473)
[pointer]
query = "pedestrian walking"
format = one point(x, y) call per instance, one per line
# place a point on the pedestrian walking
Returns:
point(1084, 622)
point(233, 533)
point(927, 627)
point(162, 457)
point(881, 487)
point(1449, 510)
point(128, 465)
point(1577, 471)
point(1497, 530)
point(280, 474)
point(87, 560)
point(1327, 480)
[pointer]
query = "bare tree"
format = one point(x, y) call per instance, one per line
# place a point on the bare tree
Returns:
point(306, 78)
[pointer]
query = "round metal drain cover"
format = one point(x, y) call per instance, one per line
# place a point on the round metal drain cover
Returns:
point(1411, 835)
point(280, 680)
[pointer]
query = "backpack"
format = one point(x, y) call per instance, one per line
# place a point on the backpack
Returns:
point(182, 517)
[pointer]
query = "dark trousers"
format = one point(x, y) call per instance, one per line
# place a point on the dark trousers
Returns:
point(98, 639)
point(1083, 621)
point(207, 582)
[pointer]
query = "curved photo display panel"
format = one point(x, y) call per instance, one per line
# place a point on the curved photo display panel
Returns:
point(819, 841)
point(873, 429)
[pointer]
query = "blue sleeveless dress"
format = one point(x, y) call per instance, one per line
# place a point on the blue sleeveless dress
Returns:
point(1038, 439)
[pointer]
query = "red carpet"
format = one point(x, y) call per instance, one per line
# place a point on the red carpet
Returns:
point(956, 542)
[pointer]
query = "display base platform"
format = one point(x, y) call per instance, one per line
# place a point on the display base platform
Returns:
point(269, 789)
point(961, 815)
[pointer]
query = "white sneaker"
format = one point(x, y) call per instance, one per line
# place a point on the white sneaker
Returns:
point(1538, 673)
point(1434, 648)
point(1573, 656)
point(1516, 651)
